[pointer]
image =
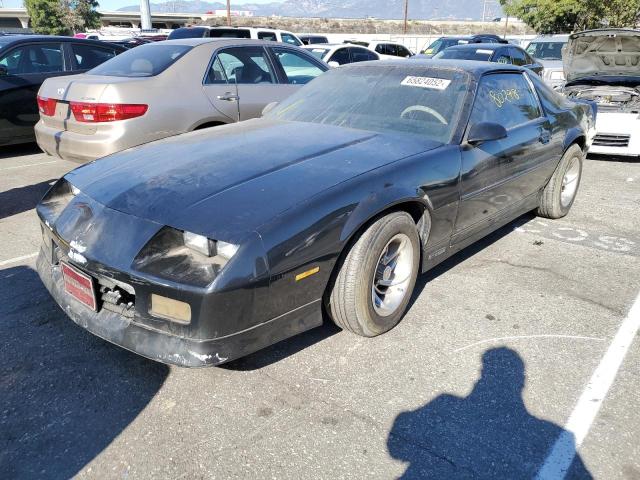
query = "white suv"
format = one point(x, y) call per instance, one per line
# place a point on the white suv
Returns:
point(385, 48)
point(257, 33)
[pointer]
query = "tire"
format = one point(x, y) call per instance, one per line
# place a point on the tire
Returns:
point(559, 194)
point(350, 299)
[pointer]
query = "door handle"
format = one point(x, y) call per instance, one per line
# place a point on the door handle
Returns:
point(229, 97)
point(545, 137)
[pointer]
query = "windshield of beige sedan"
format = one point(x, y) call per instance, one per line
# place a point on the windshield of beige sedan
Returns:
point(418, 101)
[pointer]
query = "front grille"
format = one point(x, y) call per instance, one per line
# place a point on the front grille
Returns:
point(611, 140)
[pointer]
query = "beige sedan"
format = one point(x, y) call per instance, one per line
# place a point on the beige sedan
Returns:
point(166, 88)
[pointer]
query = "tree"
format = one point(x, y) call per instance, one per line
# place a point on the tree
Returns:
point(565, 16)
point(62, 17)
point(46, 17)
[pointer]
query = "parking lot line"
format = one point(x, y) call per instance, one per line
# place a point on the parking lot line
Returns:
point(18, 259)
point(564, 450)
point(28, 165)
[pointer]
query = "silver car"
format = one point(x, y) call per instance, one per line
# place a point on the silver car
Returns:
point(547, 49)
point(166, 88)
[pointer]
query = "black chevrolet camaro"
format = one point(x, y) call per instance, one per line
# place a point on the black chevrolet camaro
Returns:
point(204, 247)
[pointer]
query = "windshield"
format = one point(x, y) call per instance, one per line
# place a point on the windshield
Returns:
point(416, 101)
point(189, 32)
point(318, 52)
point(546, 50)
point(443, 43)
point(144, 61)
point(479, 54)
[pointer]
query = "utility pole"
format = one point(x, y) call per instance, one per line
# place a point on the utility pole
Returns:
point(145, 15)
point(406, 16)
point(229, 13)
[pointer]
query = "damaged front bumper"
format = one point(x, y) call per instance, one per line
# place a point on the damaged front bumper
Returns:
point(165, 347)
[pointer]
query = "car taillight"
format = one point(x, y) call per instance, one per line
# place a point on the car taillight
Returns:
point(47, 106)
point(106, 112)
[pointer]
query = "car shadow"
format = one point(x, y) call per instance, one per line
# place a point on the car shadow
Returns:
point(467, 253)
point(8, 151)
point(612, 158)
point(293, 345)
point(66, 394)
point(487, 434)
point(22, 199)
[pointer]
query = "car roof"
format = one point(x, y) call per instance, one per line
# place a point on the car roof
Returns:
point(193, 42)
point(473, 67)
point(16, 39)
point(551, 38)
point(484, 46)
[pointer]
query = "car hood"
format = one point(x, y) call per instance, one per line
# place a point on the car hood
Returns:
point(227, 181)
point(602, 52)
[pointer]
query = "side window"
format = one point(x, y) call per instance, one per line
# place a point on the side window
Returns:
point(381, 48)
point(502, 56)
point(504, 98)
point(298, 69)
point(392, 50)
point(518, 57)
point(37, 58)
point(341, 56)
point(89, 56)
point(268, 36)
point(11, 60)
point(403, 51)
point(216, 75)
point(246, 65)
point(361, 55)
point(290, 39)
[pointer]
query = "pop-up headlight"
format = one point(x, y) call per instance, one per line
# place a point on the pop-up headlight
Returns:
point(55, 200)
point(184, 257)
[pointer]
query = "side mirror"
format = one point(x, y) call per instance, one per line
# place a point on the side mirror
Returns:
point(3, 71)
point(485, 132)
point(268, 107)
point(333, 64)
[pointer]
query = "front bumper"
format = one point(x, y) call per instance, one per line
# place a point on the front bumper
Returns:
point(166, 347)
point(617, 134)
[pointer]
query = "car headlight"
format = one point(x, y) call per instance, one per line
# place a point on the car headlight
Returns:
point(184, 257)
point(56, 200)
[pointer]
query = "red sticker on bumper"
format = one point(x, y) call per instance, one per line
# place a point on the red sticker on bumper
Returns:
point(79, 286)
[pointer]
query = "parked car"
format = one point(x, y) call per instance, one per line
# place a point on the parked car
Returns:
point(312, 39)
point(602, 66)
point(445, 42)
point(236, 32)
point(385, 48)
point(547, 49)
point(341, 53)
point(25, 62)
point(242, 236)
point(129, 42)
point(491, 52)
point(166, 88)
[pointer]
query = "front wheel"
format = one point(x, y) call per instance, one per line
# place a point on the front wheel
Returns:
point(374, 283)
point(559, 194)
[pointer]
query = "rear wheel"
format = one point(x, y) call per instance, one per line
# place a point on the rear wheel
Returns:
point(559, 194)
point(374, 283)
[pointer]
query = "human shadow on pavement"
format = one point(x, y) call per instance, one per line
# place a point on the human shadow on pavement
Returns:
point(65, 395)
point(487, 434)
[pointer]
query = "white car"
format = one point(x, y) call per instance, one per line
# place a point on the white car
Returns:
point(204, 31)
point(602, 66)
point(547, 49)
point(388, 49)
point(341, 53)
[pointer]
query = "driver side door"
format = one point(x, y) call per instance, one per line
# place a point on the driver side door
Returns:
point(501, 176)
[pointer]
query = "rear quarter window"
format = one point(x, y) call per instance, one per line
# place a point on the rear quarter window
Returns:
point(143, 61)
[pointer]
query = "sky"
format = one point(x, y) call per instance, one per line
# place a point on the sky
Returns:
point(116, 4)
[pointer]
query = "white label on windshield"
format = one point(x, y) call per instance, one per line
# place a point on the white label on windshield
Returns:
point(426, 82)
point(486, 52)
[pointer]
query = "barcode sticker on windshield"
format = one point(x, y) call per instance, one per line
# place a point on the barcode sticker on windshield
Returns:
point(426, 82)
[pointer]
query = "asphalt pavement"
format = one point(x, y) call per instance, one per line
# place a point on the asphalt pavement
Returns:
point(492, 366)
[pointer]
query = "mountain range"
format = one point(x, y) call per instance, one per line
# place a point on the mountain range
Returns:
point(384, 9)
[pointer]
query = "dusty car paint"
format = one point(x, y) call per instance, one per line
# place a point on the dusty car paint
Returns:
point(293, 196)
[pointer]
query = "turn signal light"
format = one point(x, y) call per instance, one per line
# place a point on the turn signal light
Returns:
point(170, 309)
point(106, 112)
point(47, 106)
